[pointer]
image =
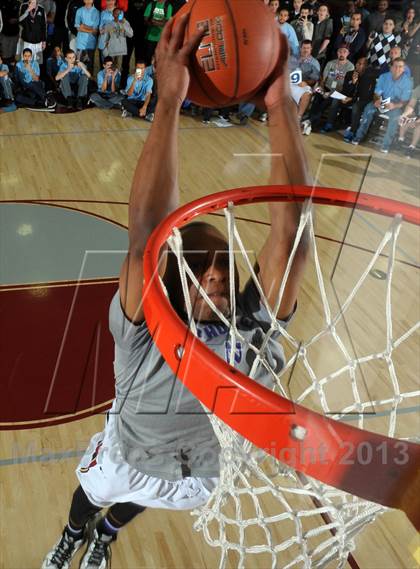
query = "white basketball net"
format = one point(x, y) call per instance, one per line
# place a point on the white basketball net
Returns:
point(292, 520)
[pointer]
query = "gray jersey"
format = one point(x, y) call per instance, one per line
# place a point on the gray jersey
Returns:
point(162, 428)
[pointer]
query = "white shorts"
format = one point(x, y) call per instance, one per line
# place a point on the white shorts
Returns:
point(297, 92)
point(107, 479)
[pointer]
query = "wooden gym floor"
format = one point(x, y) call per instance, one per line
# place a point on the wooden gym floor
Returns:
point(85, 161)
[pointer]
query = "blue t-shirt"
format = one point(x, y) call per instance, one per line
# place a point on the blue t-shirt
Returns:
point(106, 18)
point(291, 36)
point(89, 17)
point(4, 67)
point(399, 90)
point(100, 79)
point(143, 87)
point(24, 73)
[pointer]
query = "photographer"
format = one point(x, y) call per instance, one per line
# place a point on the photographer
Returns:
point(107, 96)
point(116, 34)
point(139, 91)
point(303, 26)
point(73, 76)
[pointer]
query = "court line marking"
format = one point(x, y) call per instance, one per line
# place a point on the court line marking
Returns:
point(64, 455)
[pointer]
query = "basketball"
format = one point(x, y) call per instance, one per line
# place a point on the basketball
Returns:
point(237, 54)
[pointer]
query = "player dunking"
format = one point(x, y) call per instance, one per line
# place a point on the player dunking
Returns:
point(158, 448)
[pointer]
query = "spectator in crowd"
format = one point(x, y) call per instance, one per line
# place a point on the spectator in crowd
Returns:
point(54, 62)
point(361, 7)
point(156, 15)
point(138, 93)
point(295, 10)
point(106, 17)
point(354, 37)
point(379, 44)
point(364, 77)
point(349, 91)
point(313, 7)
point(375, 20)
point(32, 92)
point(108, 79)
point(409, 29)
point(332, 81)
point(410, 121)
point(70, 21)
point(303, 26)
point(274, 6)
point(49, 9)
point(394, 52)
point(288, 31)
point(135, 15)
point(323, 31)
point(349, 10)
point(61, 34)
point(87, 24)
point(33, 33)
point(6, 91)
point(9, 34)
point(73, 76)
point(302, 92)
point(392, 93)
point(117, 33)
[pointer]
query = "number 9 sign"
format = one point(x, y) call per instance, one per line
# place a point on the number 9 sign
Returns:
point(296, 77)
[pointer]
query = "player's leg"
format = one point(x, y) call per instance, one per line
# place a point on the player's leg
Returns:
point(74, 534)
point(106, 531)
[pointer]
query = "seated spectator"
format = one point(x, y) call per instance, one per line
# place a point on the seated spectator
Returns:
point(288, 31)
point(392, 93)
point(311, 73)
point(332, 80)
point(150, 72)
point(138, 93)
point(409, 29)
point(53, 66)
point(323, 30)
point(105, 18)
point(108, 79)
point(375, 20)
point(354, 37)
point(116, 34)
point(32, 91)
point(379, 44)
point(87, 25)
point(6, 90)
point(349, 88)
point(156, 15)
point(33, 34)
point(365, 78)
point(410, 121)
point(303, 26)
point(73, 76)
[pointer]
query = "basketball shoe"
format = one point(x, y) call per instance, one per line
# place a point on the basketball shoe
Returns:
point(63, 551)
point(98, 553)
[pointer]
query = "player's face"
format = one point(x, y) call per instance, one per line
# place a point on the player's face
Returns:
point(214, 281)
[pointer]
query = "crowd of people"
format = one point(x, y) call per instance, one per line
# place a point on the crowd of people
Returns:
point(350, 62)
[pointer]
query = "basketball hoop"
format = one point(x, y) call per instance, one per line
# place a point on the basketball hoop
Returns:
point(271, 421)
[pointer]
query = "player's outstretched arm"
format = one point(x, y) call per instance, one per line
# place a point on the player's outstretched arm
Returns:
point(288, 166)
point(154, 191)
